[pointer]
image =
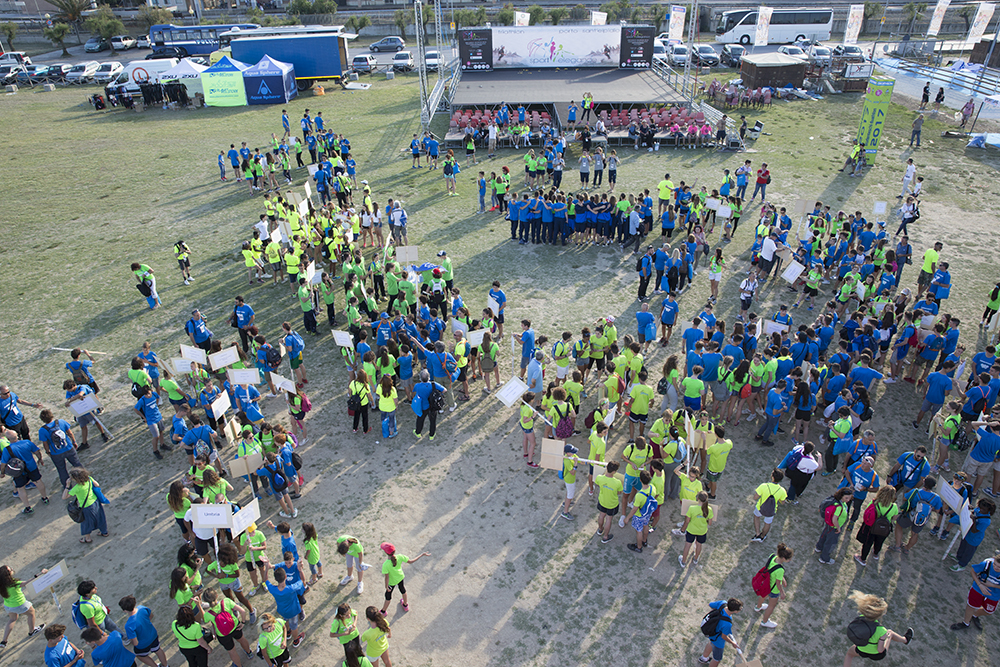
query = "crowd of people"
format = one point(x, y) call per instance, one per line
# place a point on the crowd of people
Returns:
point(813, 376)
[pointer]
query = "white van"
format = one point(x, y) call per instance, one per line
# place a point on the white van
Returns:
point(142, 71)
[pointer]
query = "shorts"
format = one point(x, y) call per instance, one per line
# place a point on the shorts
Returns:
point(632, 484)
point(767, 519)
point(353, 561)
point(923, 361)
point(295, 361)
point(251, 565)
point(561, 371)
point(527, 430)
point(974, 467)
point(598, 362)
point(314, 567)
point(227, 641)
point(694, 403)
point(637, 419)
point(23, 609)
point(282, 659)
point(583, 362)
point(88, 419)
point(470, 151)
point(715, 277)
point(570, 490)
point(978, 601)
point(766, 265)
point(720, 135)
point(905, 522)
point(184, 263)
point(29, 476)
point(745, 303)
point(499, 318)
point(152, 648)
point(803, 415)
point(293, 622)
point(233, 585)
point(871, 656)
point(924, 279)
point(462, 374)
point(713, 476)
point(201, 546)
point(155, 428)
point(996, 465)
point(700, 539)
point(927, 406)
point(610, 511)
point(524, 362)
point(276, 269)
point(966, 417)
point(811, 291)
point(718, 646)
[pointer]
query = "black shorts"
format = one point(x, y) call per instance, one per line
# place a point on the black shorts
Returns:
point(610, 511)
point(282, 659)
point(966, 417)
point(401, 586)
point(871, 656)
point(720, 135)
point(229, 641)
point(811, 291)
point(638, 419)
point(29, 476)
point(184, 263)
point(152, 648)
point(201, 546)
point(700, 539)
point(250, 565)
point(598, 362)
point(499, 318)
point(804, 415)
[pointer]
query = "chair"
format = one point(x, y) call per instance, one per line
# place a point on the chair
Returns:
point(699, 117)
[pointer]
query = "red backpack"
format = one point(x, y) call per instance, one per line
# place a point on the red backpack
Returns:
point(225, 622)
point(761, 582)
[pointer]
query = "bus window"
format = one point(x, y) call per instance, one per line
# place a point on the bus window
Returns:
point(157, 36)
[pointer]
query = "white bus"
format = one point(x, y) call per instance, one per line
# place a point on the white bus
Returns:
point(787, 25)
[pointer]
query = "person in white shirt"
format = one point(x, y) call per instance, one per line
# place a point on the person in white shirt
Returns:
point(747, 289)
point(492, 146)
point(911, 171)
point(766, 256)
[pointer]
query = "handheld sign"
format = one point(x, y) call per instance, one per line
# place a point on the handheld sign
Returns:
point(243, 376)
point(294, 198)
point(309, 190)
point(792, 273)
point(686, 505)
point(552, 455)
point(247, 515)
point(493, 305)
point(950, 495)
point(231, 431)
point(310, 271)
point(459, 326)
point(221, 404)
point(246, 465)
point(42, 582)
point(770, 327)
point(181, 366)
point(283, 384)
point(476, 337)
point(342, 338)
point(511, 392)
point(194, 354)
point(87, 404)
point(304, 207)
point(879, 208)
point(225, 357)
point(212, 516)
point(610, 417)
point(407, 254)
point(276, 235)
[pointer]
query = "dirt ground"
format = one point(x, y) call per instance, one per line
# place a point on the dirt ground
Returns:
point(509, 583)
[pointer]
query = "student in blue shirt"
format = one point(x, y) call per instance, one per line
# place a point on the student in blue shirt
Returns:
point(199, 433)
point(863, 373)
point(107, 649)
point(668, 317)
point(940, 286)
point(981, 519)
point(910, 469)
point(141, 634)
point(60, 652)
point(497, 295)
point(692, 335)
point(772, 413)
point(146, 408)
point(984, 594)
point(234, 161)
point(716, 645)
point(247, 397)
point(933, 344)
point(481, 182)
point(916, 513)
point(951, 335)
point(862, 478)
point(939, 385)
point(646, 326)
point(56, 436)
point(286, 598)
point(571, 118)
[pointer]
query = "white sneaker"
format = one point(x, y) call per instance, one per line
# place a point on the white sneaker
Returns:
point(284, 514)
point(295, 513)
point(888, 380)
point(621, 522)
point(361, 587)
point(760, 608)
point(768, 624)
point(187, 282)
point(346, 580)
point(266, 275)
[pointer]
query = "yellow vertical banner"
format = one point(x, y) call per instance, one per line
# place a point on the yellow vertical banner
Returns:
point(873, 116)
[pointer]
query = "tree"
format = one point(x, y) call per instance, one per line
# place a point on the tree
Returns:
point(324, 7)
point(300, 7)
point(465, 18)
point(480, 16)
point(967, 12)
point(358, 22)
point(150, 16)
point(914, 10)
point(506, 15)
point(558, 14)
point(579, 12)
point(9, 31)
point(401, 19)
point(56, 34)
point(103, 22)
point(618, 10)
point(657, 15)
point(71, 11)
point(536, 15)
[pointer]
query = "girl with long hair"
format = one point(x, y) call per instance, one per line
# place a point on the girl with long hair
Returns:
point(695, 528)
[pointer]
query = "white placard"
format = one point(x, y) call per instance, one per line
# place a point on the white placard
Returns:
point(712, 203)
point(511, 392)
point(456, 325)
point(276, 235)
point(247, 515)
point(221, 404)
point(309, 190)
point(212, 516)
point(927, 321)
point(879, 208)
point(476, 337)
point(311, 271)
point(950, 495)
point(285, 230)
point(407, 254)
point(180, 366)
point(610, 417)
point(493, 305)
point(243, 376)
point(725, 210)
point(342, 338)
point(87, 404)
point(596, 18)
point(965, 518)
point(792, 273)
point(770, 326)
point(313, 168)
point(283, 384)
point(194, 354)
point(225, 357)
point(43, 582)
point(293, 198)
point(860, 290)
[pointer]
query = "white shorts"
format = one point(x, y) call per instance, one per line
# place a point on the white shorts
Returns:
point(715, 277)
point(996, 465)
point(767, 519)
point(561, 371)
point(570, 490)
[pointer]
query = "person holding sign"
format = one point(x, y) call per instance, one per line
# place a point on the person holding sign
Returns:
point(15, 604)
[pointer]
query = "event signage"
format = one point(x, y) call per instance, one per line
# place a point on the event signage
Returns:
point(675, 31)
point(938, 17)
point(475, 49)
point(979, 23)
point(873, 115)
point(854, 20)
point(763, 29)
point(556, 46)
point(637, 47)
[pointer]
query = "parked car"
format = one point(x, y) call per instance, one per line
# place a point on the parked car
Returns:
point(14, 57)
point(731, 54)
point(51, 73)
point(108, 71)
point(142, 42)
point(365, 64)
point(388, 44)
point(8, 73)
point(703, 54)
point(678, 54)
point(659, 52)
point(162, 52)
point(804, 43)
point(25, 73)
point(402, 61)
point(793, 51)
point(820, 55)
point(123, 42)
point(850, 53)
point(96, 45)
point(82, 72)
point(432, 59)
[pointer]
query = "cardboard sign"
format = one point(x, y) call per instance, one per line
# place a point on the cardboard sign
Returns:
point(476, 337)
point(221, 404)
point(511, 392)
point(226, 357)
point(309, 190)
point(276, 235)
point(792, 273)
point(311, 271)
point(303, 208)
point(283, 384)
point(879, 208)
point(460, 326)
point(949, 494)
point(294, 198)
point(87, 404)
point(493, 305)
point(43, 582)
point(610, 417)
point(407, 254)
point(965, 518)
point(712, 203)
point(313, 168)
point(243, 376)
point(194, 354)
point(860, 290)
point(770, 326)
point(800, 208)
point(246, 516)
point(784, 253)
point(724, 212)
point(552, 454)
point(180, 366)
point(231, 431)
point(212, 516)
point(342, 338)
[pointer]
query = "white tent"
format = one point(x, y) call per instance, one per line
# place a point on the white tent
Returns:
point(188, 73)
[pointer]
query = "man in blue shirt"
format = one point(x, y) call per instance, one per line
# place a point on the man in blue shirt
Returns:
point(645, 271)
point(951, 336)
point(28, 452)
point(571, 117)
point(141, 634)
point(234, 161)
point(244, 317)
point(198, 331)
point(984, 594)
point(415, 153)
point(147, 408)
point(422, 391)
point(981, 517)
point(81, 369)
point(59, 651)
point(863, 374)
point(862, 478)
point(979, 462)
point(692, 335)
point(56, 436)
point(286, 598)
point(646, 326)
point(939, 384)
point(909, 469)
point(497, 295)
point(10, 413)
point(247, 397)
point(285, 125)
point(527, 340)
point(716, 645)
point(244, 151)
point(916, 513)
point(199, 433)
point(107, 649)
point(668, 317)
point(772, 413)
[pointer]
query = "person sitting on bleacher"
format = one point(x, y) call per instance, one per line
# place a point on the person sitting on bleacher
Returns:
point(633, 133)
point(600, 130)
point(676, 133)
point(705, 134)
point(692, 134)
point(646, 133)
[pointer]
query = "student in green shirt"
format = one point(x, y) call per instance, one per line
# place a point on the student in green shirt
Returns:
point(694, 389)
point(273, 640)
point(872, 608)
point(15, 603)
point(344, 628)
point(92, 607)
point(718, 456)
point(392, 568)
point(834, 527)
point(326, 291)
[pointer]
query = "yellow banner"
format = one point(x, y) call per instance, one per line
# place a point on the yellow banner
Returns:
point(873, 116)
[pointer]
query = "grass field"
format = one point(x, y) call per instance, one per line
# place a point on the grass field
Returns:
point(508, 583)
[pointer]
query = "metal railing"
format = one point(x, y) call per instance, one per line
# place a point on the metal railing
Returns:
point(982, 84)
point(685, 85)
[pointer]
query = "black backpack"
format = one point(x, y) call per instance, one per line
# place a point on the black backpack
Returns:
point(436, 400)
point(710, 622)
point(860, 631)
point(278, 481)
point(296, 461)
point(136, 390)
point(448, 170)
point(273, 357)
point(15, 467)
point(638, 263)
point(144, 288)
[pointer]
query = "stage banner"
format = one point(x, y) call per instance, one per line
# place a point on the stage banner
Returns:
point(522, 18)
point(598, 18)
point(556, 46)
point(676, 29)
point(873, 116)
point(763, 26)
point(854, 20)
point(937, 17)
point(475, 49)
point(637, 47)
point(979, 23)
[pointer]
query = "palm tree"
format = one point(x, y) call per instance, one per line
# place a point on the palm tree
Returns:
point(558, 14)
point(401, 19)
point(71, 12)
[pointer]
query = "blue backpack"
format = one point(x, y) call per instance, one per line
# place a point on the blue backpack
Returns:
point(78, 618)
point(649, 507)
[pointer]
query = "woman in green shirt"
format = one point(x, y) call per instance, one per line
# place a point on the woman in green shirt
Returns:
point(872, 608)
point(273, 640)
point(345, 629)
point(191, 638)
point(175, 393)
point(182, 592)
point(488, 352)
point(393, 571)
point(15, 604)
point(227, 570)
point(179, 501)
point(86, 490)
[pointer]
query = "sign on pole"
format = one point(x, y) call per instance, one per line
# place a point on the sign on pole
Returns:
point(511, 392)
point(247, 515)
point(675, 30)
point(854, 20)
point(194, 354)
point(873, 115)
point(939, 9)
point(597, 18)
point(763, 29)
point(979, 23)
point(522, 18)
point(227, 356)
point(212, 516)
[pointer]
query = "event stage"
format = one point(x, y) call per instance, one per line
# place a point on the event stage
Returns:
point(559, 86)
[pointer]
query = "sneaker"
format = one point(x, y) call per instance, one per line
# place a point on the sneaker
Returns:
point(945, 534)
point(346, 580)
point(632, 547)
point(105, 437)
point(364, 567)
point(888, 380)
point(532, 464)
point(295, 513)
point(760, 608)
point(768, 624)
point(252, 621)
point(934, 530)
point(187, 282)
point(908, 635)
point(989, 492)
point(284, 514)
point(680, 559)
point(417, 435)
point(298, 642)
point(757, 538)
point(978, 623)
point(960, 626)
point(567, 516)
point(827, 562)
point(36, 630)
point(605, 540)
point(590, 492)
point(361, 587)
point(621, 522)
point(956, 568)
point(857, 559)
point(158, 455)
point(27, 510)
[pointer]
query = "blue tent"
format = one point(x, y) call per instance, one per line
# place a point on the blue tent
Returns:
point(270, 82)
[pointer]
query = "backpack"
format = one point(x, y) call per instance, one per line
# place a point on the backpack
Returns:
point(79, 375)
point(920, 510)
point(673, 274)
point(589, 420)
point(662, 386)
point(828, 509)
point(448, 169)
point(57, 439)
point(78, 618)
point(273, 356)
point(881, 527)
point(201, 447)
point(794, 458)
point(860, 631)
point(306, 404)
point(638, 263)
point(681, 452)
point(296, 461)
point(225, 623)
point(15, 467)
point(564, 429)
point(867, 413)
point(710, 622)
point(436, 399)
point(278, 481)
point(353, 403)
point(136, 390)
point(761, 582)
